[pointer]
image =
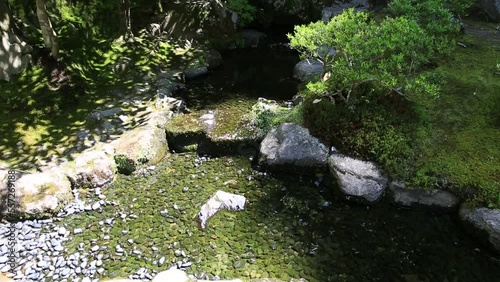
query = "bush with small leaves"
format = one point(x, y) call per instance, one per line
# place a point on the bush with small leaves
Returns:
point(124, 164)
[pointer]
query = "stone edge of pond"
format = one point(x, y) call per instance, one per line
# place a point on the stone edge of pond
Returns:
point(364, 182)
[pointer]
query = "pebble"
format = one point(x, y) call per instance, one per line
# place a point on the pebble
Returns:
point(161, 261)
point(77, 231)
point(96, 206)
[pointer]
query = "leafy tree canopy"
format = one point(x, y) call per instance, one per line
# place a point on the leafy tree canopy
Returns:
point(393, 53)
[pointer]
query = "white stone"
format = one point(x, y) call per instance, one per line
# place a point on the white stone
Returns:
point(220, 200)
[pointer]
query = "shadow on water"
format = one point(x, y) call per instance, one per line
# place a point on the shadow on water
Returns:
point(249, 73)
point(348, 242)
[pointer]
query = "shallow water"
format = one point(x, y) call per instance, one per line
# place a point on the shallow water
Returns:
point(286, 230)
point(247, 74)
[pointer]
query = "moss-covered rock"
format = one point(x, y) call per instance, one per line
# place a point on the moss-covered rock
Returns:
point(224, 131)
point(143, 144)
point(33, 194)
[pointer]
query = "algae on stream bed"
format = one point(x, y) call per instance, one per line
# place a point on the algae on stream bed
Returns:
point(286, 230)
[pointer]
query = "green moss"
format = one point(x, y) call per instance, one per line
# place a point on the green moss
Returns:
point(232, 118)
point(124, 164)
point(459, 142)
point(184, 124)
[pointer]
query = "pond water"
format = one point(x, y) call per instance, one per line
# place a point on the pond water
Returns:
point(292, 226)
point(248, 74)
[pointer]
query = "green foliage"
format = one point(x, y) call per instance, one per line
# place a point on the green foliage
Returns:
point(245, 10)
point(267, 119)
point(124, 164)
point(435, 17)
point(390, 53)
point(371, 129)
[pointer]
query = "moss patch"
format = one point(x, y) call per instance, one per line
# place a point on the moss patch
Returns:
point(460, 140)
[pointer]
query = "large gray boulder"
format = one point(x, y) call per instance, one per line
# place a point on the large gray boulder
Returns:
point(484, 223)
point(491, 8)
point(252, 38)
point(213, 58)
point(307, 69)
point(291, 148)
point(356, 178)
point(38, 194)
point(435, 198)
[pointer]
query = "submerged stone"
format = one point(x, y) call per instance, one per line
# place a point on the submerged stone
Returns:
point(220, 200)
point(484, 223)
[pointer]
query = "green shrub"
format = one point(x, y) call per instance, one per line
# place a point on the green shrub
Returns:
point(267, 119)
point(370, 129)
point(390, 53)
point(245, 10)
point(124, 164)
point(435, 17)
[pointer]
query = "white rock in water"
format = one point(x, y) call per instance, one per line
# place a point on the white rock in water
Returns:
point(171, 275)
point(220, 200)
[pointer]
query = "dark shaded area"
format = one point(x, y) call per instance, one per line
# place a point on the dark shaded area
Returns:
point(261, 72)
point(349, 242)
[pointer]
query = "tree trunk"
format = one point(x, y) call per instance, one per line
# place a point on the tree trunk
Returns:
point(125, 20)
point(14, 55)
point(48, 33)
